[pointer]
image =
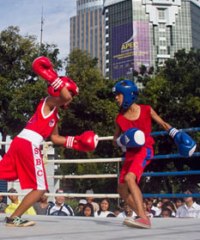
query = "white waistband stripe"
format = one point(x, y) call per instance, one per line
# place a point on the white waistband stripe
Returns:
point(31, 136)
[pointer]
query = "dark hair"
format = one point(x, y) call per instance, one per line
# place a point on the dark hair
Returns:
point(192, 189)
point(166, 210)
point(104, 199)
point(111, 215)
point(169, 204)
point(4, 198)
point(90, 206)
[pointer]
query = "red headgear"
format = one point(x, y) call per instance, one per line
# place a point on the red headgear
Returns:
point(70, 85)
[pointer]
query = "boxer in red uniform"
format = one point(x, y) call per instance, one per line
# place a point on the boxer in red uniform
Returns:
point(23, 160)
point(132, 133)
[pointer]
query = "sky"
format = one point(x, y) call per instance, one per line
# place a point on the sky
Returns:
point(26, 14)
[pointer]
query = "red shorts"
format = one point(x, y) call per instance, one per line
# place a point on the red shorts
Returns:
point(135, 162)
point(23, 161)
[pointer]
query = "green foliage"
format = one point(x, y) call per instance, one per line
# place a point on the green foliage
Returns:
point(174, 92)
point(20, 89)
point(16, 54)
point(94, 109)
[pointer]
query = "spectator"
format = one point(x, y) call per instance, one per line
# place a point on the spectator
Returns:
point(88, 210)
point(178, 202)
point(166, 212)
point(148, 205)
point(60, 208)
point(104, 209)
point(171, 206)
point(117, 210)
point(157, 206)
point(79, 209)
point(164, 200)
point(90, 199)
point(127, 212)
point(3, 204)
point(42, 205)
point(147, 208)
point(15, 202)
point(190, 208)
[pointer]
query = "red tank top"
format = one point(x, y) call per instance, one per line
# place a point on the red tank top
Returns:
point(41, 124)
point(143, 123)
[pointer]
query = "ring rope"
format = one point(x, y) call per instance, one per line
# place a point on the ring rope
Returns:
point(112, 195)
point(166, 156)
point(157, 133)
point(146, 174)
point(106, 160)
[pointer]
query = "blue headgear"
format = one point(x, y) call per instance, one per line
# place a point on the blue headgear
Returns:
point(129, 91)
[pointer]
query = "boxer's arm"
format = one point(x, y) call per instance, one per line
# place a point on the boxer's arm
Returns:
point(43, 67)
point(131, 138)
point(159, 120)
point(117, 133)
point(56, 138)
point(52, 102)
point(186, 145)
point(85, 142)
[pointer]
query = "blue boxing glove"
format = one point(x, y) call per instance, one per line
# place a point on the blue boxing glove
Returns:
point(186, 145)
point(133, 137)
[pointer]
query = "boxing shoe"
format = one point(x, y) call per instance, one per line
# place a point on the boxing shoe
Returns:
point(138, 222)
point(18, 222)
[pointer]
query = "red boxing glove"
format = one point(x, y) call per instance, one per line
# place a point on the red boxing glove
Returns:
point(86, 142)
point(43, 67)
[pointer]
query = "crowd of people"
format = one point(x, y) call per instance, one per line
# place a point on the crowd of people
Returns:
point(89, 207)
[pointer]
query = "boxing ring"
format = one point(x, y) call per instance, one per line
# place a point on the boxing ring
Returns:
point(118, 160)
point(90, 228)
point(47, 145)
point(57, 227)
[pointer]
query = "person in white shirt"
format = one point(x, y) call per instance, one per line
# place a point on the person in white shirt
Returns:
point(104, 209)
point(128, 212)
point(90, 199)
point(190, 208)
point(59, 207)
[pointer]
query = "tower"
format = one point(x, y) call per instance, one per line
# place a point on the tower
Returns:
point(147, 32)
point(87, 29)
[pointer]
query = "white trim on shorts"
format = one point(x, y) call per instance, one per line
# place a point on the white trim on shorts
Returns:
point(31, 136)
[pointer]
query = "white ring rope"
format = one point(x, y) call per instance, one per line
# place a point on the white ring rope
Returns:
point(94, 160)
point(77, 161)
point(69, 195)
point(83, 176)
point(5, 143)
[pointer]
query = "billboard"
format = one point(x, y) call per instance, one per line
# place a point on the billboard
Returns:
point(130, 48)
point(141, 44)
point(122, 50)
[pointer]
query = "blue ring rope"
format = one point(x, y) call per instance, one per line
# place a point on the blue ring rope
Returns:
point(182, 173)
point(170, 195)
point(173, 155)
point(162, 133)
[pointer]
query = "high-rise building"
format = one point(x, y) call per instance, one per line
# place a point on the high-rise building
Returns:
point(87, 29)
point(147, 32)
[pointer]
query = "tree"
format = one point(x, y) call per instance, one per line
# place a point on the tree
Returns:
point(20, 90)
point(174, 94)
point(94, 109)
